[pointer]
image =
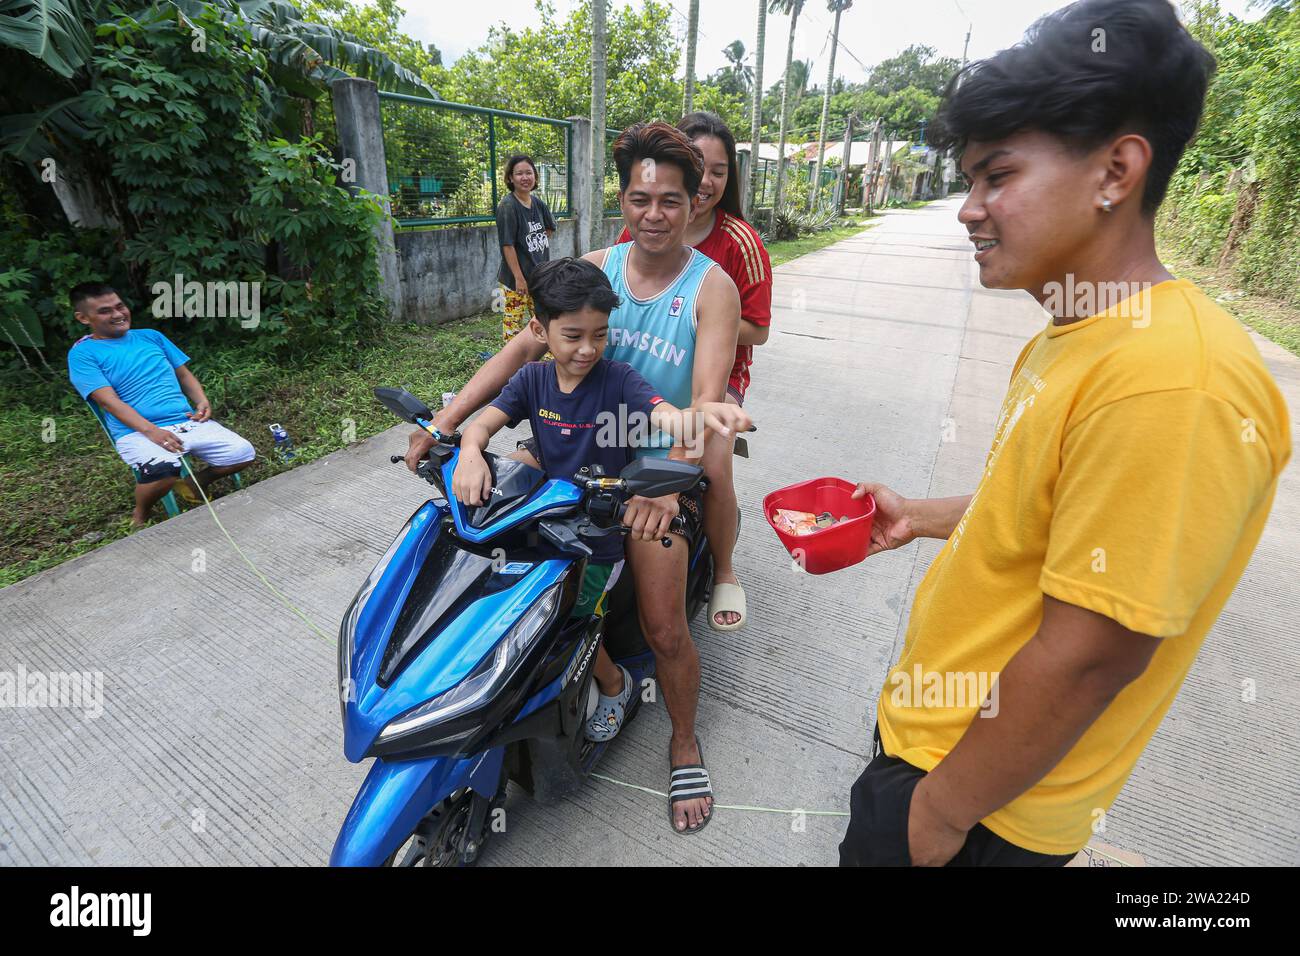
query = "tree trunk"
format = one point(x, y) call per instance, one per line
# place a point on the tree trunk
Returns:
point(1242, 215)
point(815, 184)
point(596, 239)
point(756, 124)
point(692, 32)
point(785, 102)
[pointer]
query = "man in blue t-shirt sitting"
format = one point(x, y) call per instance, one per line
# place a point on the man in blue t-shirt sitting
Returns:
point(140, 379)
point(584, 410)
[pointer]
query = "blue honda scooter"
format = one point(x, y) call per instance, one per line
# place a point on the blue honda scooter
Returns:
point(460, 666)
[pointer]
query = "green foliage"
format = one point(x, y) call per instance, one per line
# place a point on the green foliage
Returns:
point(546, 70)
point(377, 26)
point(46, 50)
point(200, 190)
point(177, 124)
point(784, 224)
point(472, 198)
point(323, 232)
point(914, 68)
point(1232, 203)
point(791, 221)
point(39, 268)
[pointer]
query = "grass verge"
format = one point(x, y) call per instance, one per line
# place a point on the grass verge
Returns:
point(782, 252)
point(64, 491)
point(1271, 318)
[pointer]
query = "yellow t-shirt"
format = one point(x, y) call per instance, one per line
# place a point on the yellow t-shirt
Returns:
point(1131, 472)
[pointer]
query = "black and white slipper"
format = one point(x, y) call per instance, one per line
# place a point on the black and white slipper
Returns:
point(689, 782)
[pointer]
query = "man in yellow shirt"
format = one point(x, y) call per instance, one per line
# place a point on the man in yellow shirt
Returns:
point(1132, 468)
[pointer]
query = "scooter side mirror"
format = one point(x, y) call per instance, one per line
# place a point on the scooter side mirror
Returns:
point(654, 477)
point(403, 404)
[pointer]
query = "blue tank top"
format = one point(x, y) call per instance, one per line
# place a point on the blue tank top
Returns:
point(656, 336)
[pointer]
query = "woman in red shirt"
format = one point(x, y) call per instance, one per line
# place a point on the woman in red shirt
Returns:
point(718, 230)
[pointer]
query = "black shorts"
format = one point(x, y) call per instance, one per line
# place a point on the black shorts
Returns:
point(692, 502)
point(878, 814)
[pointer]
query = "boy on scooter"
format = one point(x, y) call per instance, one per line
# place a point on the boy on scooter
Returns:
point(583, 410)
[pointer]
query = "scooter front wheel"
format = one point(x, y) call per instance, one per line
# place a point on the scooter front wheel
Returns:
point(442, 837)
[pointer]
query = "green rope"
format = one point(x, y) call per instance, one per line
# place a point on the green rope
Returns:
point(724, 806)
point(238, 550)
point(599, 776)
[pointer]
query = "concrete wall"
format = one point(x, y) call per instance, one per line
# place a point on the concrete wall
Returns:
point(451, 273)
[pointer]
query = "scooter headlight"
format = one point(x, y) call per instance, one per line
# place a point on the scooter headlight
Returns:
point(487, 678)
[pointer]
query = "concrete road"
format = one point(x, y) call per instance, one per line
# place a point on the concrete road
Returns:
point(219, 738)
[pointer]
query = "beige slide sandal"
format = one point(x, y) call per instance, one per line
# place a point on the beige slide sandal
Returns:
point(727, 597)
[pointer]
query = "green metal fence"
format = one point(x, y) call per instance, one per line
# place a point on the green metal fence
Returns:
point(765, 191)
point(612, 207)
point(797, 176)
point(445, 160)
point(827, 176)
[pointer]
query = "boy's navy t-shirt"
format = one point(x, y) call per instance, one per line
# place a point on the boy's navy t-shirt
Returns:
point(566, 426)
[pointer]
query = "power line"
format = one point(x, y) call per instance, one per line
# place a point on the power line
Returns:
point(852, 56)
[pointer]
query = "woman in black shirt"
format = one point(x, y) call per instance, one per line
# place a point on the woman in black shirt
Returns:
point(524, 229)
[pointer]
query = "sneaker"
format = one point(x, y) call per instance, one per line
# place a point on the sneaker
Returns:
point(608, 719)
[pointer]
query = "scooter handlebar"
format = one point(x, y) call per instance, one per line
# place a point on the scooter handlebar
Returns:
point(677, 526)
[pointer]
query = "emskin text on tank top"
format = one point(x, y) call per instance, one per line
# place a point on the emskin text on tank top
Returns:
point(656, 335)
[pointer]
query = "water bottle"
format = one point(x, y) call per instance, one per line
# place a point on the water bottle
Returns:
point(283, 443)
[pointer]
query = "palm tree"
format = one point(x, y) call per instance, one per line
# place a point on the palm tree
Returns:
point(735, 54)
point(692, 33)
point(800, 74)
point(597, 123)
point(756, 120)
point(837, 7)
point(793, 9)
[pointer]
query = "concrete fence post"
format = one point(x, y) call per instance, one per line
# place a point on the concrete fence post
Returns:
point(581, 183)
point(361, 139)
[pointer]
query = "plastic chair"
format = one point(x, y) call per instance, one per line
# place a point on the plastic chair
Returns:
point(169, 499)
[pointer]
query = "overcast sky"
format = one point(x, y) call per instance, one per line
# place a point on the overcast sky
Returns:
point(870, 30)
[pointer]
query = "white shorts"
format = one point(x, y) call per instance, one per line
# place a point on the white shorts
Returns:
point(214, 443)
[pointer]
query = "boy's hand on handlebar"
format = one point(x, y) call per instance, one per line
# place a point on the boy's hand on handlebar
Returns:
point(724, 418)
point(472, 482)
point(417, 446)
point(650, 518)
point(892, 526)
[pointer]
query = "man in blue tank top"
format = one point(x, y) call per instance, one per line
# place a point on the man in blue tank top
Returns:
point(677, 326)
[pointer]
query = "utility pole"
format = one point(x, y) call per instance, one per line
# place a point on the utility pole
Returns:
point(965, 46)
point(844, 164)
point(889, 158)
point(692, 29)
point(596, 239)
point(869, 185)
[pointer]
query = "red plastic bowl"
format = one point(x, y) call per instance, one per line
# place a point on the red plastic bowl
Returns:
point(831, 549)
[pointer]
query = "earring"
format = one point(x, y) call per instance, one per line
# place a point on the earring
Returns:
point(1106, 206)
